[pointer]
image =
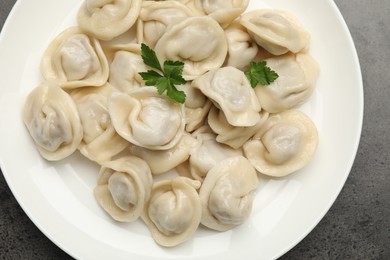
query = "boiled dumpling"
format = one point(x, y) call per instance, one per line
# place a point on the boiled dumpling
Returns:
point(230, 90)
point(207, 152)
point(233, 136)
point(277, 31)
point(147, 119)
point(223, 11)
point(108, 19)
point(284, 145)
point(124, 186)
point(125, 64)
point(163, 161)
point(196, 105)
point(173, 212)
point(53, 122)
point(241, 48)
point(227, 193)
point(199, 42)
point(74, 59)
point(100, 140)
point(295, 84)
point(156, 16)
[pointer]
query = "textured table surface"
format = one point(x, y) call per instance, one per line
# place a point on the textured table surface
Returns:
point(358, 224)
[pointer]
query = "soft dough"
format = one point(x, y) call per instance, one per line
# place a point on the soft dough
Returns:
point(223, 11)
point(231, 91)
point(296, 82)
point(173, 212)
point(100, 140)
point(277, 31)
point(147, 119)
point(199, 42)
point(227, 193)
point(74, 59)
point(123, 188)
point(107, 19)
point(285, 144)
point(53, 122)
point(156, 16)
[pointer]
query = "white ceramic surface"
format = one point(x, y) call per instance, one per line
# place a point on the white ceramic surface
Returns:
point(58, 196)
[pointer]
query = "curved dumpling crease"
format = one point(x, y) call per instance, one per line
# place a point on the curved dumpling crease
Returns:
point(155, 17)
point(199, 42)
point(230, 90)
point(147, 119)
point(285, 144)
point(100, 141)
point(74, 59)
point(277, 31)
point(227, 193)
point(295, 84)
point(173, 212)
point(124, 186)
point(107, 19)
point(224, 12)
point(53, 122)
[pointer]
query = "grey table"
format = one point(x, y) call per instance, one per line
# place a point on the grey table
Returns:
point(358, 224)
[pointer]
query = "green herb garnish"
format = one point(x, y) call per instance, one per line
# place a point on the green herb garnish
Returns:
point(166, 77)
point(260, 73)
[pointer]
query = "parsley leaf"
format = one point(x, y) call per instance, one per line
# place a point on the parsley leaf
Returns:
point(149, 57)
point(260, 73)
point(171, 75)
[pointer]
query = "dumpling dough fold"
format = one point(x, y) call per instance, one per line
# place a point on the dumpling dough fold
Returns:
point(173, 212)
point(53, 122)
point(100, 140)
point(107, 19)
point(199, 42)
point(296, 82)
point(123, 188)
point(156, 16)
point(227, 193)
point(74, 59)
point(285, 144)
point(230, 90)
point(147, 119)
point(277, 31)
point(223, 11)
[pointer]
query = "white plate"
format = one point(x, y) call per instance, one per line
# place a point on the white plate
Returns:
point(58, 196)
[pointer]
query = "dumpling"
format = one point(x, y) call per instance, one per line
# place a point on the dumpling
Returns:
point(173, 212)
point(147, 119)
point(241, 48)
point(74, 59)
point(189, 3)
point(207, 152)
point(125, 64)
point(163, 161)
point(284, 145)
point(277, 31)
point(223, 11)
point(199, 42)
point(227, 193)
point(53, 122)
point(100, 141)
point(233, 136)
point(108, 19)
point(231, 91)
point(297, 78)
point(124, 186)
point(156, 16)
point(196, 105)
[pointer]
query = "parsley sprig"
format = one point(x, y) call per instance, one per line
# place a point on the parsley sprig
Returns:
point(260, 73)
point(166, 77)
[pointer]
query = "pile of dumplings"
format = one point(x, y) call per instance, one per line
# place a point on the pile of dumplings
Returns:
point(93, 100)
